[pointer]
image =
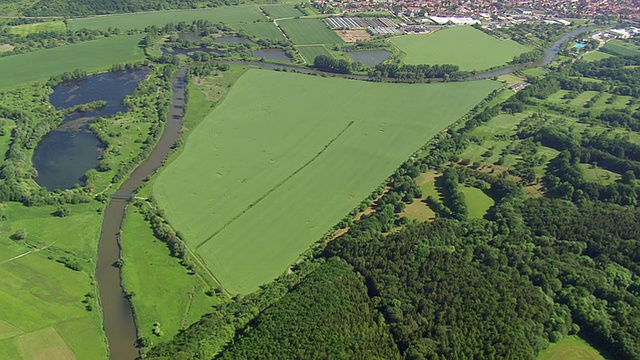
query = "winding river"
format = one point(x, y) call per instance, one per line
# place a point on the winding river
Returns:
point(119, 323)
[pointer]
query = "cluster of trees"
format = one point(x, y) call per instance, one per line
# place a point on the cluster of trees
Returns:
point(412, 73)
point(453, 198)
point(161, 228)
point(326, 63)
point(622, 74)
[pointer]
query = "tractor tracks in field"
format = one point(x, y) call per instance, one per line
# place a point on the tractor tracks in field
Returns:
point(276, 187)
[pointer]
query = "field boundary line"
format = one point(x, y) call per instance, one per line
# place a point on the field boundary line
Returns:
point(316, 156)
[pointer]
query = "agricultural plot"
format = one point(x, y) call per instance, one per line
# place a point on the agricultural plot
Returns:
point(281, 11)
point(622, 48)
point(90, 56)
point(230, 15)
point(286, 156)
point(49, 26)
point(309, 53)
point(43, 315)
point(263, 30)
point(466, 47)
point(309, 31)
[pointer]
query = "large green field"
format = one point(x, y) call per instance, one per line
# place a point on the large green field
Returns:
point(42, 314)
point(309, 31)
point(229, 15)
point(286, 156)
point(281, 11)
point(466, 47)
point(91, 56)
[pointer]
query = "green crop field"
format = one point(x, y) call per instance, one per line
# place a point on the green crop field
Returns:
point(310, 52)
point(165, 292)
point(309, 31)
point(622, 48)
point(42, 314)
point(91, 56)
point(463, 46)
point(595, 56)
point(570, 348)
point(229, 15)
point(281, 11)
point(263, 30)
point(48, 26)
point(286, 156)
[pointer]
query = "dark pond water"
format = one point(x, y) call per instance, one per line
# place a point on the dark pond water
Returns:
point(369, 57)
point(188, 51)
point(69, 151)
point(275, 54)
point(230, 39)
point(190, 36)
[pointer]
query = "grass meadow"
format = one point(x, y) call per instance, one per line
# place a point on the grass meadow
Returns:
point(622, 48)
point(281, 11)
point(263, 30)
point(230, 15)
point(464, 46)
point(477, 201)
point(285, 156)
point(595, 56)
point(90, 56)
point(164, 292)
point(49, 26)
point(570, 348)
point(309, 53)
point(42, 314)
point(309, 31)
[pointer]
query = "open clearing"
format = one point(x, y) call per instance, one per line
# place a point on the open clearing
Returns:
point(477, 201)
point(595, 56)
point(49, 26)
point(309, 53)
point(285, 156)
point(466, 47)
point(229, 15)
point(90, 56)
point(309, 31)
point(570, 348)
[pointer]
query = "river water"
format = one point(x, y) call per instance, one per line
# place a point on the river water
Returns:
point(119, 324)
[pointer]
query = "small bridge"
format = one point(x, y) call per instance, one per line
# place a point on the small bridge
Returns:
point(121, 196)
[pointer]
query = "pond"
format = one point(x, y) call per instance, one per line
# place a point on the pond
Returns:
point(275, 54)
point(65, 154)
point(190, 36)
point(186, 52)
point(369, 57)
point(230, 39)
